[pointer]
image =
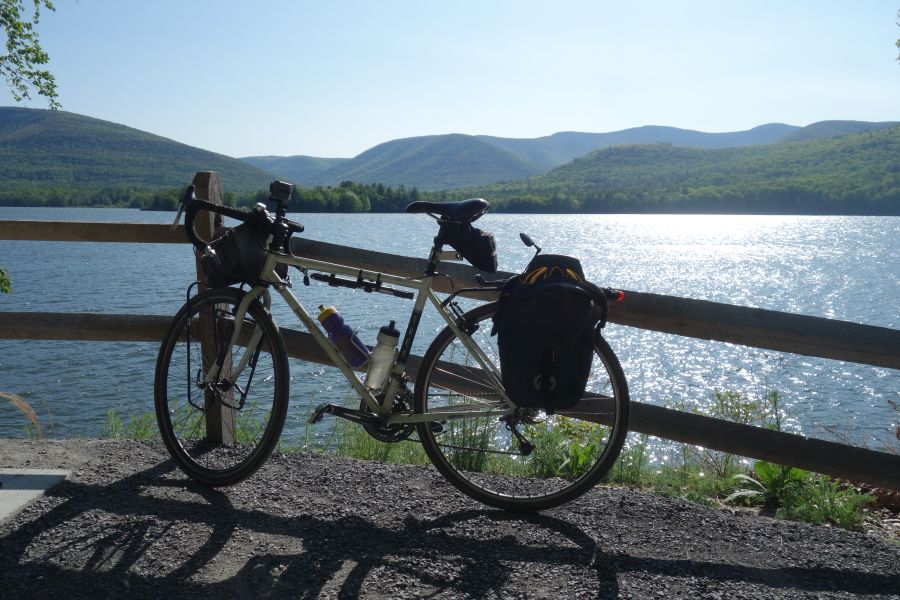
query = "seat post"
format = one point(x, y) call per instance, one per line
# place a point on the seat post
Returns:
point(431, 269)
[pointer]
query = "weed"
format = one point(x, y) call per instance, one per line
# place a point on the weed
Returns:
point(5, 283)
point(769, 485)
point(632, 468)
point(33, 429)
point(142, 427)
point(353, 441)
point(821, 500)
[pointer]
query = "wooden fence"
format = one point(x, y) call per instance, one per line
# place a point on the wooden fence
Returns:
point(799, 334)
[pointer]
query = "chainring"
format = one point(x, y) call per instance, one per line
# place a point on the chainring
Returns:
point(394, 432)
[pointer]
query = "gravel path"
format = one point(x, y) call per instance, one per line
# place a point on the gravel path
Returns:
point(126, 525)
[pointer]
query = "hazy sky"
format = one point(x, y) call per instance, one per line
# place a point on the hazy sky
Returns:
point(333, 78)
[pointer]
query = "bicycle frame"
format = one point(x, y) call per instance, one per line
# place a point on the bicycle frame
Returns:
point(423, 293)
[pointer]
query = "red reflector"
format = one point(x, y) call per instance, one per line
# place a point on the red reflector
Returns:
point(621, 296)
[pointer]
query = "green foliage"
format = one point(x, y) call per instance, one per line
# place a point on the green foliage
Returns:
point(568, 449)
point(21, 65)
point(142, 427)
point(821, 500)
point(353, 441)
point(769, 485)
point(741, 408)
point(5, 283)
point(632, 468)
point(350, 197)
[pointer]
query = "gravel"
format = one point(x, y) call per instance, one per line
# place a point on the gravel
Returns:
point(127, 524)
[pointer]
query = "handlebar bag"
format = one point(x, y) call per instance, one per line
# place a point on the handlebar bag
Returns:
point(545, 326)
point(476, 246)
point(240, 254)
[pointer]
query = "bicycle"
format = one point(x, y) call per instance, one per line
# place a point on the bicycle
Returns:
point(221, 387)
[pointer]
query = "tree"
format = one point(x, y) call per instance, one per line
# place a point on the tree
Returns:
point(350, 202)
point(21, 65)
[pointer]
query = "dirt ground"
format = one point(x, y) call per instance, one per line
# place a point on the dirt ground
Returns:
point(127, 524)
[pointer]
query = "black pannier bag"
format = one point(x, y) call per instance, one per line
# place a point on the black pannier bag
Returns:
point(476, 246)
point(240, 254)
point(545, 326)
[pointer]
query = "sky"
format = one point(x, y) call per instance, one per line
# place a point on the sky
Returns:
point(332, 79)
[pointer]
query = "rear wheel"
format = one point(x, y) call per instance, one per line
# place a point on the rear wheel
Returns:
point(220, 432)
point(488, 457)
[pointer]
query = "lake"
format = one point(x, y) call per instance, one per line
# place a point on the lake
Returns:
point(836, 267)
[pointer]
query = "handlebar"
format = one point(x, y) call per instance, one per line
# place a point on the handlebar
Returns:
point(280, 228)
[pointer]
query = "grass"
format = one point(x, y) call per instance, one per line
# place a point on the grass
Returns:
point(699, 475)
point(142, 427)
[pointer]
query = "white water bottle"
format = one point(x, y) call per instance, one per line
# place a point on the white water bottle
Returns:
point(382, 357)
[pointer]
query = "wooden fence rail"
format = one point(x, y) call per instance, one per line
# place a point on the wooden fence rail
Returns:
point(839, 460)
point(767, 329)
point(759, 328)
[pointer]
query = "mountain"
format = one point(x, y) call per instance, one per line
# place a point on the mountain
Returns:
point(54, 157)
point(824, 129)
point(853, 174)
point(44, 149)
point(457, 161)
point(559, 148)
point(432, 162)
point(295, 169)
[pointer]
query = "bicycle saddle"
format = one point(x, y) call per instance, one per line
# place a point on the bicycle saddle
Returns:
point(463, 211)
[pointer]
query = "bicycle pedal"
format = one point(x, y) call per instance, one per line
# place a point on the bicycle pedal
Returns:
point(344, 413)
point(319, 413)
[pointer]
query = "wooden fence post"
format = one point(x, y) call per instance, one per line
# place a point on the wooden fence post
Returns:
point(219, 418)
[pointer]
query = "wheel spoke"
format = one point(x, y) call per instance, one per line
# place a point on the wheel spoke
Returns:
point(222, 431)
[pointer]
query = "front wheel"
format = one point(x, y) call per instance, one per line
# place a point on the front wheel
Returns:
point(221, 431)
point(488, 457)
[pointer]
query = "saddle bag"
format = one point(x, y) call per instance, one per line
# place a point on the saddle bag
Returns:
point(476, 246)
point(545, 327)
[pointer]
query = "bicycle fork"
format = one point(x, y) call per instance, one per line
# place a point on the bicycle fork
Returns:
point(249, 357)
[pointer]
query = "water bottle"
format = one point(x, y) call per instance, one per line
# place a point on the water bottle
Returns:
point(383, 356)
point(343, 337)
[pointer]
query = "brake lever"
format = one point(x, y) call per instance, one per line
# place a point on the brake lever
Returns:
point(186, 199)
point(484, 283)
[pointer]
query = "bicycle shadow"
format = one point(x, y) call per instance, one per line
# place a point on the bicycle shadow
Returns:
point(155, 534)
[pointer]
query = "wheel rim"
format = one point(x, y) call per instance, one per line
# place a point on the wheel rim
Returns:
point(483, 457)
point(221, 446)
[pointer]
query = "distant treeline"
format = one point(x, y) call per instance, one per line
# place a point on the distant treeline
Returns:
point(347, 197)
point(350, 197)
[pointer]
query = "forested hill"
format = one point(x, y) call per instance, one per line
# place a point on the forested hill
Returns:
point(433, 162)
point(557, 149)
point(60, 158)
point(449, 161)
point(437, 162)
point(853, 174)
point(297, 169)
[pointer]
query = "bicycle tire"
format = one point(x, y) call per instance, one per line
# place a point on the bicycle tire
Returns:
point(225, 450)
point(563, 464)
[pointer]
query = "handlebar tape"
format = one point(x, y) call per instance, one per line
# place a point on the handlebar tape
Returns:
point(198, 205)
point(239, 214)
